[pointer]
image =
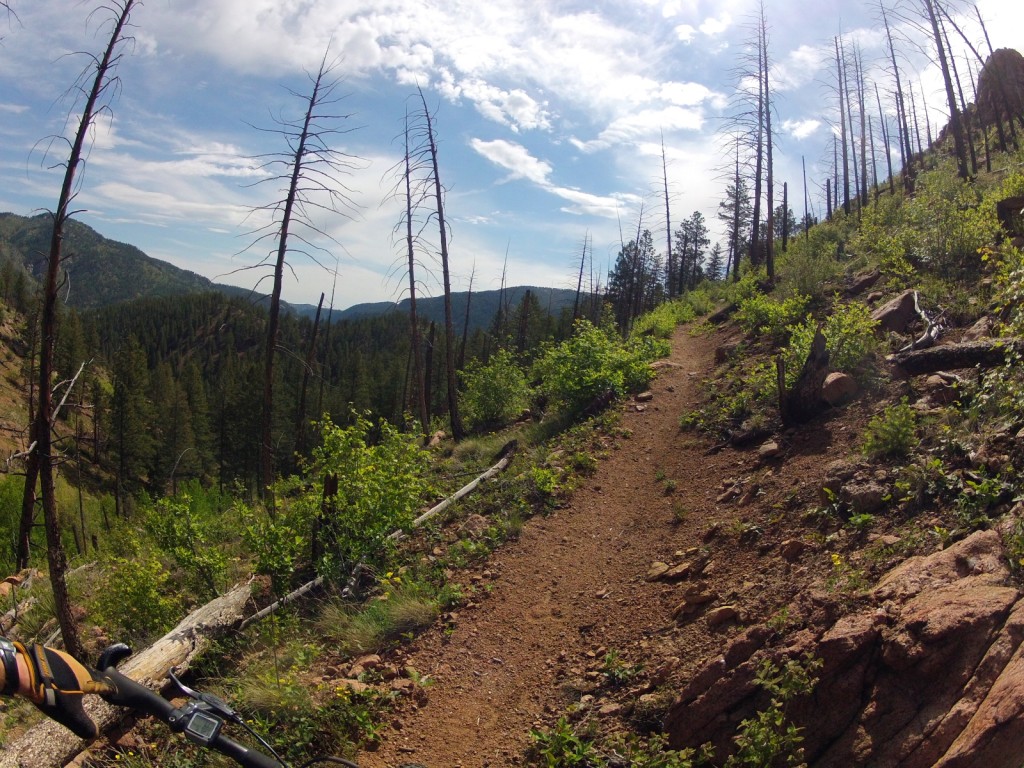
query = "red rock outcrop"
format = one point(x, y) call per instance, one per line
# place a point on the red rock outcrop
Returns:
point(929, 671)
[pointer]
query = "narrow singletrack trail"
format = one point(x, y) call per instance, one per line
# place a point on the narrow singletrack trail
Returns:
point(569, 589)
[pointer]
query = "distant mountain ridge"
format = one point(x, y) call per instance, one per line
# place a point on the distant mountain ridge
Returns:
point(102, 272)
point(483, 305)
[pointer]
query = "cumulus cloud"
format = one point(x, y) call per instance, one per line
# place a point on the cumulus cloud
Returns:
point(514, 158)
point(713, 27)
point(685, 33)
point(801, 129)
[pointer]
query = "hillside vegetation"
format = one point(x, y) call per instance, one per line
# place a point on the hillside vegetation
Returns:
point(795, 526)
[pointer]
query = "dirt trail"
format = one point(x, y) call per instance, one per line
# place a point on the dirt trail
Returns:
point(570, 587)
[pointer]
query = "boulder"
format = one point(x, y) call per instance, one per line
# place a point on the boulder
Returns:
point(862, 282)
point(982, 329)
point(896, 314)
point(864, 497)
point(839, 388)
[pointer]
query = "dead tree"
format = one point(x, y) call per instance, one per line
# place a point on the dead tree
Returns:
point(955, 126)
point(903, 127)
point(579, 280)
point(311, 170)
point(455, 420)
point(41, 459)
point(843, 101)
point(668, 229)
point(885, 142)
point(411, 239)
point(769, 177)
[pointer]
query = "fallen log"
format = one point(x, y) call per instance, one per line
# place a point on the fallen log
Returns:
point(49, 745)
point(986, 353)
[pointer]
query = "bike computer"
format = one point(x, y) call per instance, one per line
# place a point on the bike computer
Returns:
point(202, 727)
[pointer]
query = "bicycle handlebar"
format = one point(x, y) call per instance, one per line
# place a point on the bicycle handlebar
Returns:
point(128, 693)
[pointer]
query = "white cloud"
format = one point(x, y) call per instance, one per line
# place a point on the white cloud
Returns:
point(712, 27)
point(643, 124)
point(801, 129)
point(514, 158)
point(514, 108)
point(14, 109)
point(685, 33)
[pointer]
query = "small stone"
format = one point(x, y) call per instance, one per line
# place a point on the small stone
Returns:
point(645, 397)
point(721, 615)
point(609, 709)
point(863, 498)
point(678, 573)
point(792, 549)
point(657, 570)
point(769, 450)
point(728, 495)
point(640, 408)
point(402, 685)
point(354, 685)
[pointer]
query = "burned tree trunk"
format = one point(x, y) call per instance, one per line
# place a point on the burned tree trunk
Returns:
point(803, 402)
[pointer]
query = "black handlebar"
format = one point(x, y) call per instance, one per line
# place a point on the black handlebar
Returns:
point(128, 693)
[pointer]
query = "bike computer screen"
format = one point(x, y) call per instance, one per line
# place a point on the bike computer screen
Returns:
point(202, 728)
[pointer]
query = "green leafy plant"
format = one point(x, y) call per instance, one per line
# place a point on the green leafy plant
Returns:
point(862, 521)
point(768, 738)
point(496, 393)
point(892, 433)
point(562, 747)
point(190, 540)
point(136, 601)
point(849, 337)
point(763, 315)
point(616, 671)
point(593, 363)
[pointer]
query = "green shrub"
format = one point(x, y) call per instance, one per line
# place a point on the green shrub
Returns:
point(182, 534)
point(380, 479)
point(768, 739)
point(811, 263)
point(760, 314)
point(136, 602)
point(661, 321)
point(893, 432)
point(849, 337)
point(495, 393)
point(592, 363)
point(952, 223)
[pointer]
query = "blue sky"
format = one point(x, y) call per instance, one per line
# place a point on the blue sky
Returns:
point(549, 117)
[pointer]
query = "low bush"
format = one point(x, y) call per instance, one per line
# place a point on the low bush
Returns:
point(495, 393)
point(849, 337)
point(593, 363)
point(892, 433)
point(764, 315)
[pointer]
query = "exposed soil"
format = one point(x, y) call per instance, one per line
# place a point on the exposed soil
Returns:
point(549, 606)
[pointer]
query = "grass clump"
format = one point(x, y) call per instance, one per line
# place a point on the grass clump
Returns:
point(404, 607)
